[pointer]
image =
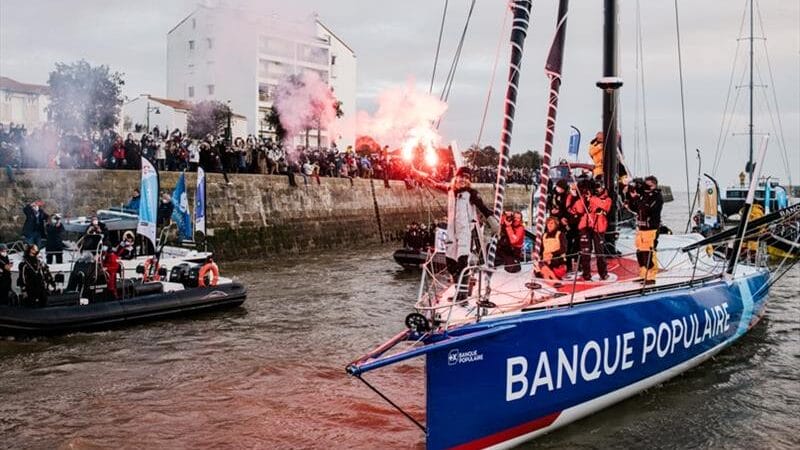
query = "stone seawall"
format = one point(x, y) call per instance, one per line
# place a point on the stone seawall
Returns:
point(257, 215)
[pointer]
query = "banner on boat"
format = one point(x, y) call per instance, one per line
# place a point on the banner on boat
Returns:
point(148, 203)
point(200, 202)
point(574, 143)
point(180, 211)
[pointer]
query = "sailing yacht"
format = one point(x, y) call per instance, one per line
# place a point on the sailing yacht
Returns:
point(523, 355)
point(732, 199)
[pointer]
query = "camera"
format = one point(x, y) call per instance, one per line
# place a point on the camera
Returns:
point(636, 185)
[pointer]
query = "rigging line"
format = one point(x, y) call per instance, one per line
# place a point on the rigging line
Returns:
point(644, 95)
point(397, 407)
point(729, 120)
point(683, 109)
point(722, 132)
point(636, 60)
point(494, 71)
point(772, 119)
point(781, 135)
point(438, 47)
point(457, 57)
point(640, 88)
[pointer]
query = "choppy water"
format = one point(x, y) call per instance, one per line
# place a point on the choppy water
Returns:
point(271, 375)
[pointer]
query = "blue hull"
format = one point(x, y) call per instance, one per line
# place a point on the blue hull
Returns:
point(504, 381)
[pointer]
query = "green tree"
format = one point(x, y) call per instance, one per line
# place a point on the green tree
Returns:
point(207, 117)
point(528, 160)
point(273, 119)
point(475, 156)
point(84, 98)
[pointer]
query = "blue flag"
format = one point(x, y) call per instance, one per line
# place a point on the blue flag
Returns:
point(574, 142)
point(180, 210)
point(200, 202)
point(148, 202)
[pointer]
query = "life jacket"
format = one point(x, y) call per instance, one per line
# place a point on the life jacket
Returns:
point(578, 210)
point(551, 245)
point(599, 207)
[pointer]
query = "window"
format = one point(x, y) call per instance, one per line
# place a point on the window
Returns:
point(313, 54)
point(191, 45)
point(194, 23)
point(265, 92)
point(333, 60)
point(276, 46)
point(191, 91)
point(210, 89)
point(210, 43)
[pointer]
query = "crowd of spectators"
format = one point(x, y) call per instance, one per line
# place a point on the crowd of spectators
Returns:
point(174, 151)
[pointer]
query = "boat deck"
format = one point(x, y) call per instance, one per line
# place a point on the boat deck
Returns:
point(521, 292)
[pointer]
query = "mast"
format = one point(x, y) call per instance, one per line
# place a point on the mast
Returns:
point(519, 30)
point(553, 71)
point(609, 84)
point(749, 167)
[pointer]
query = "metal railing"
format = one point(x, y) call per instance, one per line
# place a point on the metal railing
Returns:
point(678, 268)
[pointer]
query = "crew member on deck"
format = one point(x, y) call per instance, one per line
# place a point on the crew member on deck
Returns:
point(647, 203)
point(583, 208)
point(554, 246)
point(599, 207)
point(512, 237)
point(463, 206)
point(562, 200)
point(5, 275)
point(209, 269)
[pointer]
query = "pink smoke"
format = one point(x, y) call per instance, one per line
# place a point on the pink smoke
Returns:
point(305, 102)
point(404, 119)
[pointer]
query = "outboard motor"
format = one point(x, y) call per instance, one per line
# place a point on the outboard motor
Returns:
point(185, 273)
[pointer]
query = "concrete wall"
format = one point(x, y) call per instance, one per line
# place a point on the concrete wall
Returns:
point(258, 215)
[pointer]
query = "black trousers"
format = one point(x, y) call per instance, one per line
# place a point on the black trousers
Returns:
point(573, 245)
point(591, 242)
point(455, 267)
point(5, 290)
point(57, 256)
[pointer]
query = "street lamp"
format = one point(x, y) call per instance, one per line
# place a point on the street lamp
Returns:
point(155, 111)
point(228, 131)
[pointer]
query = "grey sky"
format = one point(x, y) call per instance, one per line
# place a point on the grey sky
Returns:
point(395, 41)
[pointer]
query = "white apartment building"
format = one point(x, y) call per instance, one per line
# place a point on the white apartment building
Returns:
point(23, 103)
point(239, 56)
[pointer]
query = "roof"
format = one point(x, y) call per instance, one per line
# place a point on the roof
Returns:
point(174, 104)
point(7, 84)
point(182, 105)
point(325, 27)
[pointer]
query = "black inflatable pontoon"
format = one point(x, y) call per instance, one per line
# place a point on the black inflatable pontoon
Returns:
point(411, 258)
point(147, 301)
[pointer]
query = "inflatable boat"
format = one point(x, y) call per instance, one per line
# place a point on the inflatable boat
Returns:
point(86, 306)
